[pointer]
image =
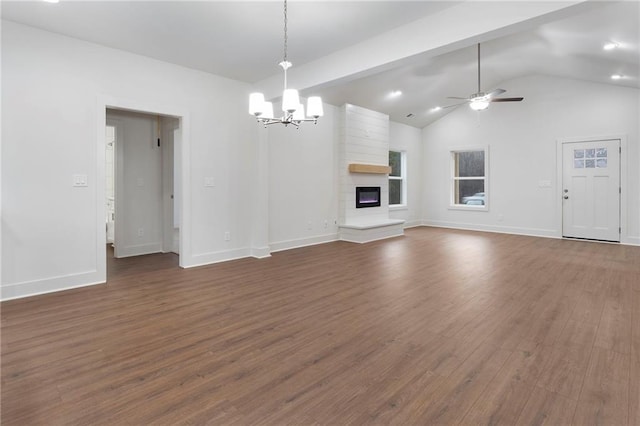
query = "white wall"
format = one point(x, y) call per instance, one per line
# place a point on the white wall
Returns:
point(303, 195)
point(50, 90)
point(408, 139)
point(522, 139)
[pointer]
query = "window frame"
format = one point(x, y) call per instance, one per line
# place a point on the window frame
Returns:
point(453, 178)
point(403, 181)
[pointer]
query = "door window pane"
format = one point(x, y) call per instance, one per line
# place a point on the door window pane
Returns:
point(589, 164)
point(590, 153)
point(578, 164)
point(601, 163)
point(601, 152)
point(578, 153)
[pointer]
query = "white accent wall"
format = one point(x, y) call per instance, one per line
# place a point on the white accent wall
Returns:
point(51, 86)
point(364, 139)
point(523, 152)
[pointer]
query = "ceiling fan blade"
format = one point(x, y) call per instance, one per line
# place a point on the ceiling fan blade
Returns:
point(496, 93)
point(454, 105)
point(506, 100)
point(457, 97)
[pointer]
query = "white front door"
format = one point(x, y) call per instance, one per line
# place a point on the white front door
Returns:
point(591, 190)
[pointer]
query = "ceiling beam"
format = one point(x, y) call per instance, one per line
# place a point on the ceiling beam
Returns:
point(451, 29)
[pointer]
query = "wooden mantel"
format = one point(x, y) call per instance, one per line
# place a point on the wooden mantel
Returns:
point(369, 168)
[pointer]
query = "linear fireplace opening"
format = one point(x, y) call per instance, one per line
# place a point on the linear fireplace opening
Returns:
point(367, 196)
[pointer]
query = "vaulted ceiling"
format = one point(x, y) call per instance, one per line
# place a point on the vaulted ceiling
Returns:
point(426, 49)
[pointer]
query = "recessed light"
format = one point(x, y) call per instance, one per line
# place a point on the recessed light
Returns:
point(435, 109)
point(395, 93)
point(616, 77)
point(610, 46)
point(51, 1)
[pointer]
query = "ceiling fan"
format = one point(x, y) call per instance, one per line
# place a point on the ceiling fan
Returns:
point(481, 100)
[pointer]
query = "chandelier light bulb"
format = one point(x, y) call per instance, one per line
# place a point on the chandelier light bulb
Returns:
point(256, 104)
point(314, 107)
point(290, 100)
point(268, 111)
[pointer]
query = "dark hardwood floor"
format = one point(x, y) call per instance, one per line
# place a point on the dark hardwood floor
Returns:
point(437, 327)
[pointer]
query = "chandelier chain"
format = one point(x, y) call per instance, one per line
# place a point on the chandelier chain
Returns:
point(285, 31)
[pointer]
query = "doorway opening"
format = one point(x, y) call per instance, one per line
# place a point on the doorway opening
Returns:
point(142, 185)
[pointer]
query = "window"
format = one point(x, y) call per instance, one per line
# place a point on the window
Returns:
point(397, 178)
point(590, 158)
point(469, 185)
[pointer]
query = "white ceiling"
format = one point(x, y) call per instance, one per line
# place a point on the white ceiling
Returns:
point(243, 40)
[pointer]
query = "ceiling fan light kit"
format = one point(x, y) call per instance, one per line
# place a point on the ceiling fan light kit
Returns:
point(479, 103)
point(294, 112)
point(480, 100)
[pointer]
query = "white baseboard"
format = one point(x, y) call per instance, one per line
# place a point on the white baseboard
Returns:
point(302, 242)
point(412, 224)
point(260, 252)
point(531, 232)
point(632, 241)
point(49, 285)
point(139, 250)
point(217, 257)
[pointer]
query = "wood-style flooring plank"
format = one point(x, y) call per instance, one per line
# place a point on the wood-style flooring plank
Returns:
point(507, 394)
point(547, 408)
point(604, 399)
point(614, 331)
point(438, 327)
point(634, 376)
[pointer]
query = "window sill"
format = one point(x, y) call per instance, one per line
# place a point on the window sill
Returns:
point(469, 208)
point(395, 207)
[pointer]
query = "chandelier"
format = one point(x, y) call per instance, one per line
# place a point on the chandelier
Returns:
point(293, 110)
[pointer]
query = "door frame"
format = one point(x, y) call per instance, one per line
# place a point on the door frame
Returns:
point(623, 180)
point(105, 102)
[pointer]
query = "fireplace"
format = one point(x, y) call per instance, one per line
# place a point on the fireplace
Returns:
point(367, 196)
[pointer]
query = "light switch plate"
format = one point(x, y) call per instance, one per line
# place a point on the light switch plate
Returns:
point(80, 180)
point(209, 182)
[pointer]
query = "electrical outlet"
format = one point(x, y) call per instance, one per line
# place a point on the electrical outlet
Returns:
point(209, 182)
point(309, 226)
point(326, 224)
point(227, 236)
point(140, 232)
